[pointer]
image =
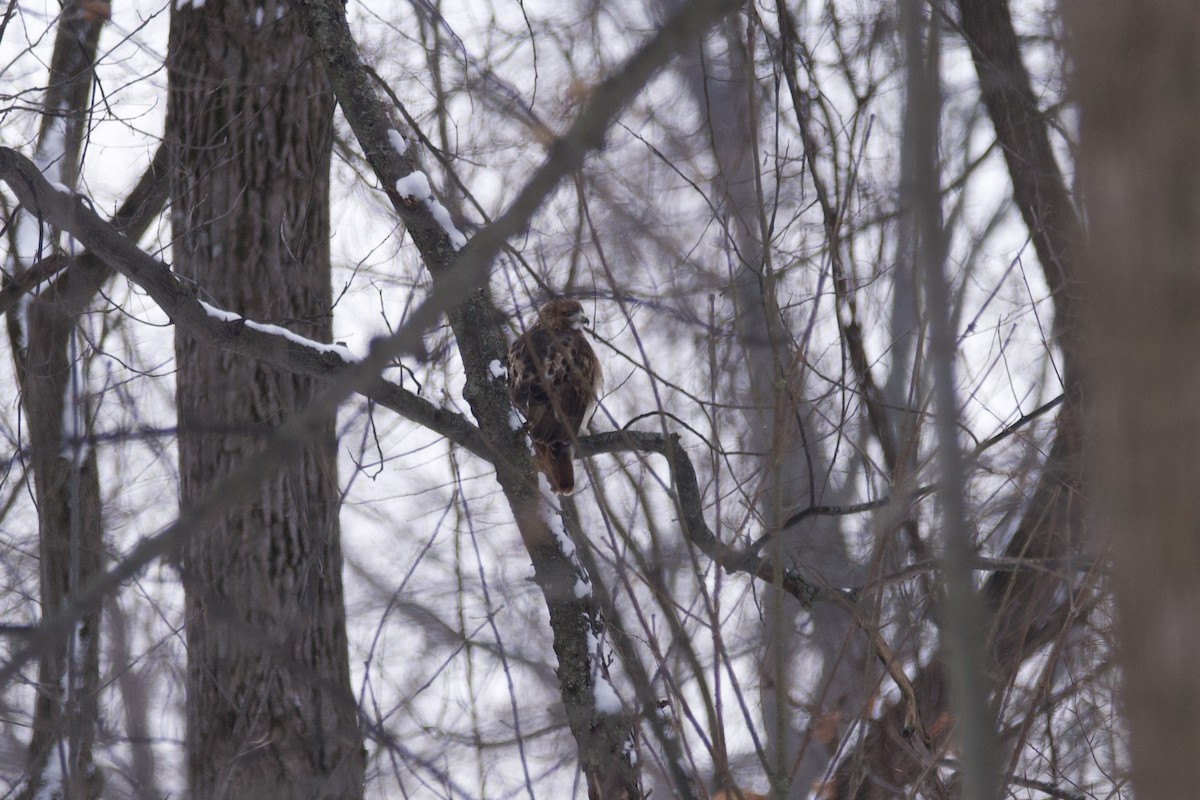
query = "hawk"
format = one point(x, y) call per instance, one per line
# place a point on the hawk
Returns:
point(554, 378)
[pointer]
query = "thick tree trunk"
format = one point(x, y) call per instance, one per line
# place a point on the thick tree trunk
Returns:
point(270, 710)
point(1139, 126)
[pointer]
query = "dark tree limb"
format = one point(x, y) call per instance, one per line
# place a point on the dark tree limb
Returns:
point(1039, 189)
point(604, 738)
point(27, 280)
point(144, 203)
point(690, 506)
point(1023, 604)
point(1134, 78)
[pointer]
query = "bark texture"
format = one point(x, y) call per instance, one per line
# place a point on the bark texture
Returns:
point(270, 710)
point(1139, 126)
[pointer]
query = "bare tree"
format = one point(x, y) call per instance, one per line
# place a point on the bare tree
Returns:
point(249, 129)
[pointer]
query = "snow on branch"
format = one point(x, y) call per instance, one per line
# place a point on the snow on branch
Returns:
point(269, 343)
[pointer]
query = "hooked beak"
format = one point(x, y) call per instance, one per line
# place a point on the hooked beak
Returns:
point(579, 320)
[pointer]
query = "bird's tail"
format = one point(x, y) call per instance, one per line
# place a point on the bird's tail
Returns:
point(554, 459)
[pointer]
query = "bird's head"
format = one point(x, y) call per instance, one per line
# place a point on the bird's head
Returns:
point(562, 315)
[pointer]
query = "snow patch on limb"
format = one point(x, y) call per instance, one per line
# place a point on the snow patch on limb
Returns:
point(398, 142)
point(228, 316)
point(497, 370)
point(220, 313)
point(607, 700)
point(416, 185)
point(554, 521)
point(515, 422)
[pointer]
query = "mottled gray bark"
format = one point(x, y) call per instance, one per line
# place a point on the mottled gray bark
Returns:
point(270, 709)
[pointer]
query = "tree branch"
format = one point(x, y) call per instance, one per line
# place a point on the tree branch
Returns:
point(690, 506)
point(1024, 605)
point(1021, 603)
point(269, 344)
point(604, 738)
point(1038, 186)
